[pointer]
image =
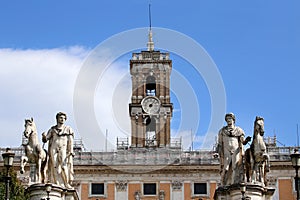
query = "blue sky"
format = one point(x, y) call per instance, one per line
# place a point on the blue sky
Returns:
point(254, 44)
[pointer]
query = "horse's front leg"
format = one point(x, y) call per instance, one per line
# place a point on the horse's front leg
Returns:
point(259, 172)
point(254, 173)
point(267, 162)
point(38, 170)
point(44, 166)
point(262, 172)
point(252, 168)
point(265, 174)
point(44, 171)
point(24, 160)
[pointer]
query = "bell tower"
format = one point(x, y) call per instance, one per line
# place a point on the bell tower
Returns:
point(150, 109)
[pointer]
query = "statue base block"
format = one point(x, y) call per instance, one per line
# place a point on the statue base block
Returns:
point(39, 191)
point(253, 192)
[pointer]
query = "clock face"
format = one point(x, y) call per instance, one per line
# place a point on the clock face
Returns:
point(151, 104)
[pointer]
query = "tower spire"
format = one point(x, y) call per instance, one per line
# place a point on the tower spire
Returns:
point(150, 43)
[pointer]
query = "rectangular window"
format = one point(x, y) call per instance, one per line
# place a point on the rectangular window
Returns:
point(97, 189)
point(200, 188)
point(149, 188)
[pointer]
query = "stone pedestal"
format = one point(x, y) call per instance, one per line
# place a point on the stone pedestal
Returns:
point(38, 192)
point(253, 192)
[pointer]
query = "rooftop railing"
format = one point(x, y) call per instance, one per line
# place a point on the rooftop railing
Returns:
point(153, 55)
point(158, 156)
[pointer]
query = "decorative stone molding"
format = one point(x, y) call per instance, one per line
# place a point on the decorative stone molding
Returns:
point(121, 186)
point(38, 192)
point(76, 183)
point(137, 195)
point(252, 191)
point(162, 195)
point(25, 180)
point(271, 180)
point(176, 185)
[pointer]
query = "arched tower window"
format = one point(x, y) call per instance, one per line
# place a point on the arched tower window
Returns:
point(150, 131)
point(150, 86)
point(150, 124)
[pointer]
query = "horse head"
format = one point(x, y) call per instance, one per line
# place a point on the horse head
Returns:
point(259, 125)
point(29, 127)
point(258, 140)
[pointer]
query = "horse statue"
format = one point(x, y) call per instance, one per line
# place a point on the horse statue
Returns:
point(34, 153)
point(257, 161)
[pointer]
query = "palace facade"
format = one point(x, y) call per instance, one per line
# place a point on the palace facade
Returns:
point(154, 166)
point(165, 173)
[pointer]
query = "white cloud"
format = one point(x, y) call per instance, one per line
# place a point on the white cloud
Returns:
point(111, 104)
point(36, 83)
point(39, 83)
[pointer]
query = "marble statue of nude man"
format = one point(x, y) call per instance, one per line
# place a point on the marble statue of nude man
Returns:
point(60, 149)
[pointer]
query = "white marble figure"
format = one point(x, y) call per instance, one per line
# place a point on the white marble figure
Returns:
point(256, 157)
point(60, 148)
point(34, 153)
point(231, 143)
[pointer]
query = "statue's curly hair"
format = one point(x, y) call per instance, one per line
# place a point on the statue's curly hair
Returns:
point(230, 115)
point(60, 114)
